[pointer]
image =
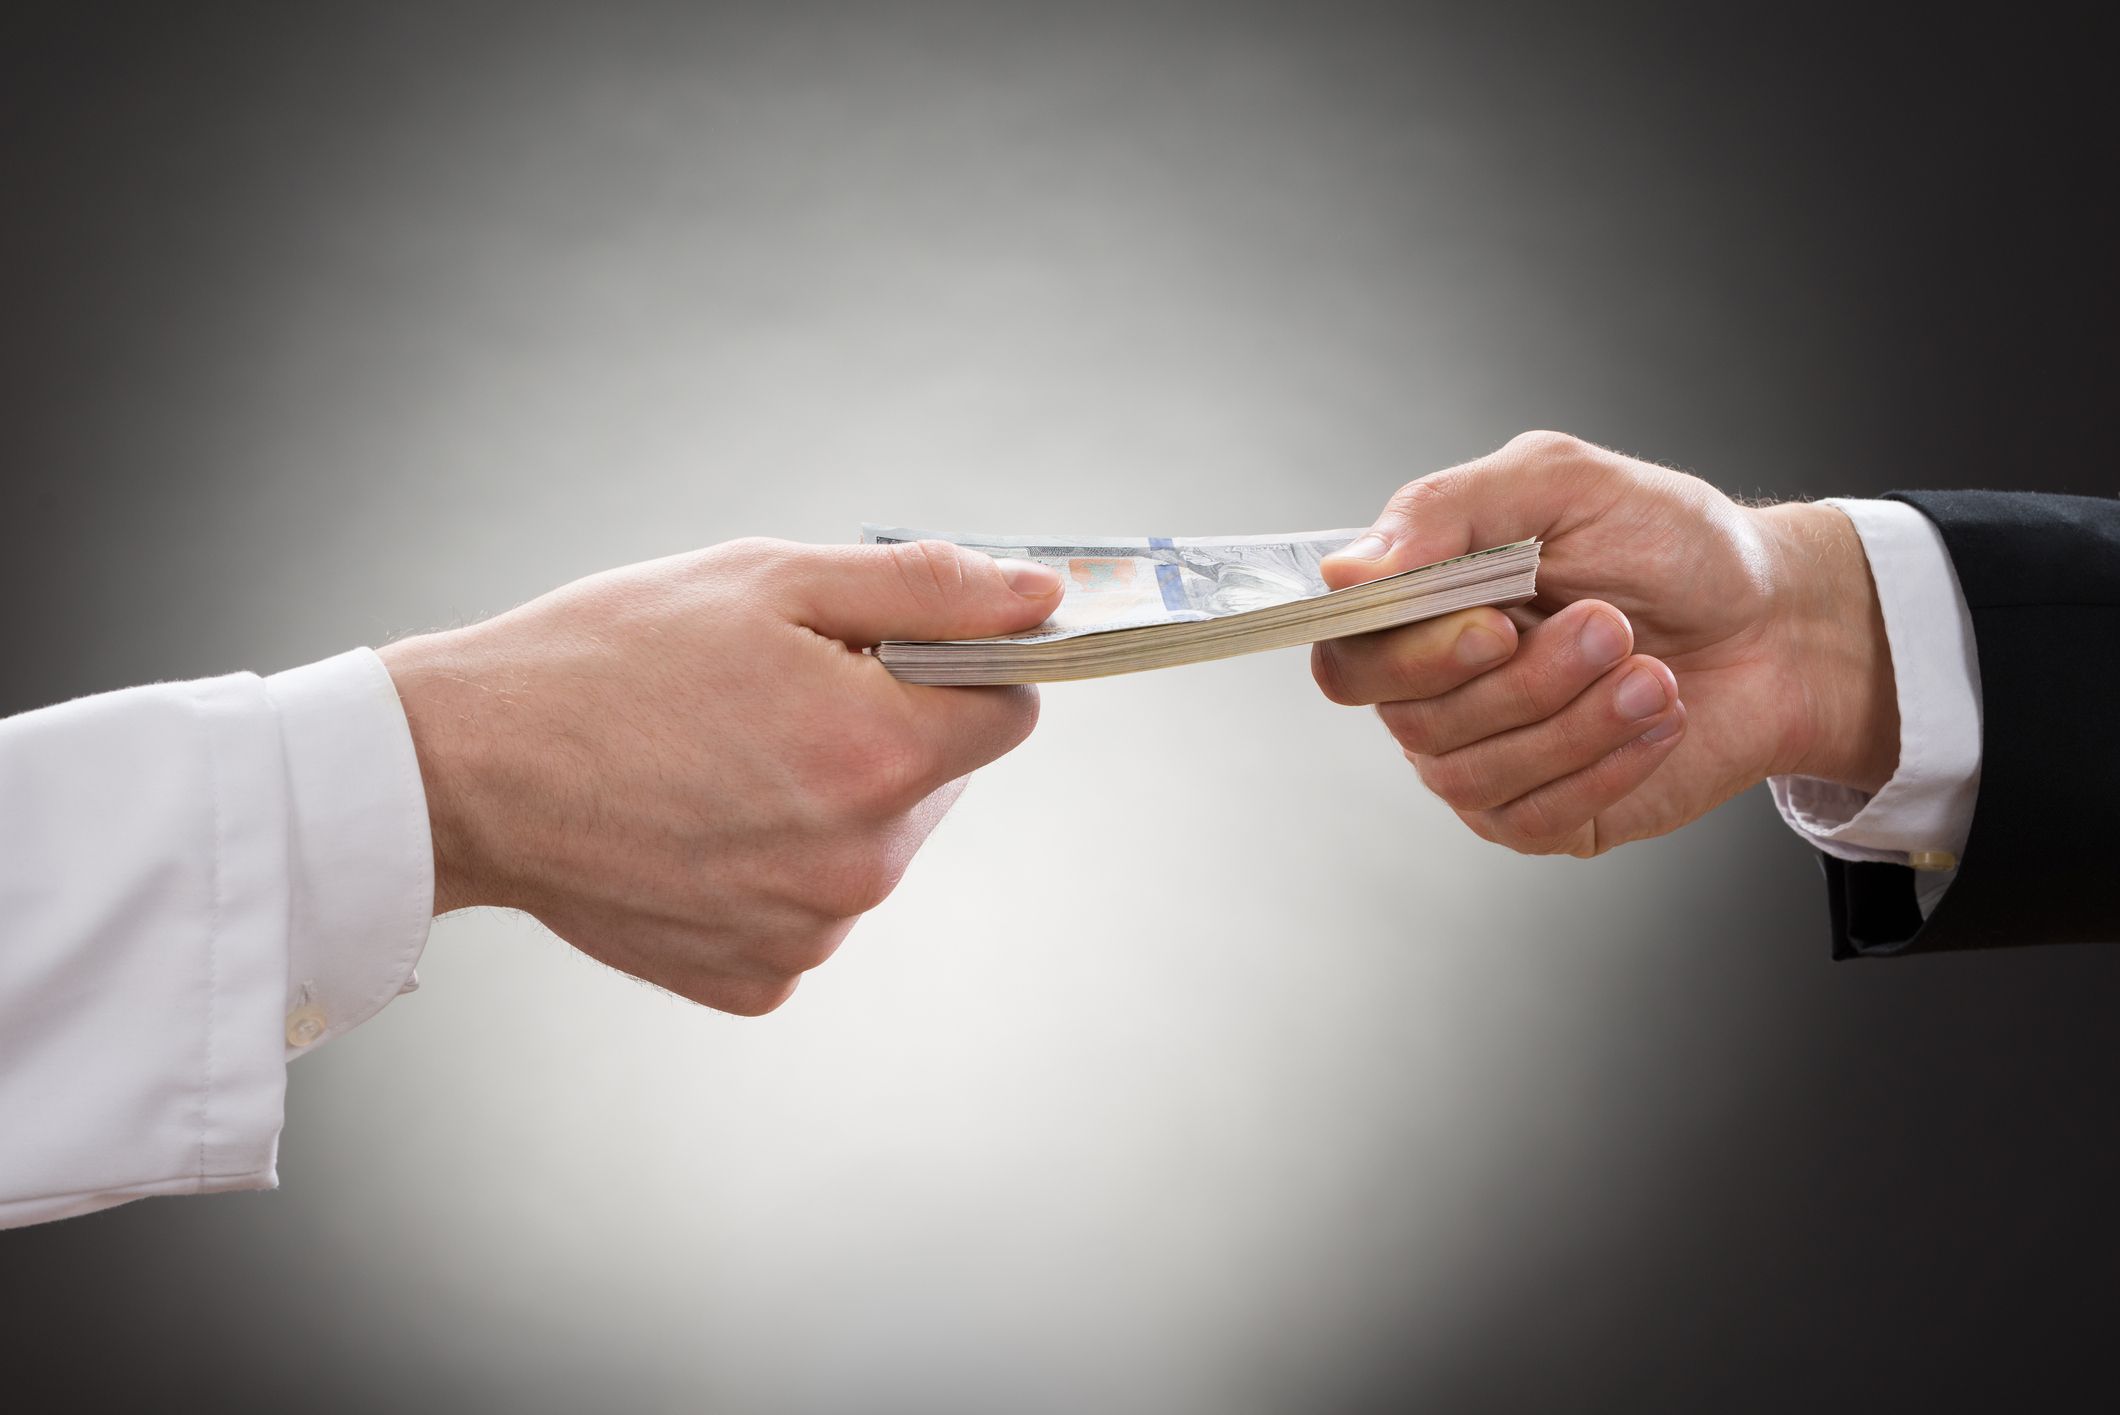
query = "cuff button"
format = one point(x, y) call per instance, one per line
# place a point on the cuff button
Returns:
point(304, 1026)
point(1932, 860)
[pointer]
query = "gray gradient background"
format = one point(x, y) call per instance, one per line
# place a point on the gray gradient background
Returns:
point(1203, 1063)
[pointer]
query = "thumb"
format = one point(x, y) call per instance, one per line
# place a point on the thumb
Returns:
point(1524, 490)
point(928, 589)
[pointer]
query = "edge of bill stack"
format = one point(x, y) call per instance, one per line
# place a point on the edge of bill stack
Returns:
point(1500, 575)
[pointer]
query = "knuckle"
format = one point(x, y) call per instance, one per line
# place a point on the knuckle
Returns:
point(1525, 818)
point(809, 950)
point(861, 878)
point(1575, 736)
point(1482, 824)
point(933, 571)
point(1529, 825)
point(1445, 778)
point(1411, 723)
point(1518, 697)
point(1465, 783)
point(750, 552)
point(749, 997)
point(1544, 444)
point(1538, 688)
point(1019, 708)
point(1330, 673)
point(1410, 502)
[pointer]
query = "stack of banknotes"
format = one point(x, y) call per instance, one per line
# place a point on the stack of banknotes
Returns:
point(1159, 601)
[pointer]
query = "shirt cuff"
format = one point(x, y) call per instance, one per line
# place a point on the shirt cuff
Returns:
point(362, 862)
point(1927, 805)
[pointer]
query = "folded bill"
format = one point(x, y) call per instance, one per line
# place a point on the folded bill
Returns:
point(1135, 603)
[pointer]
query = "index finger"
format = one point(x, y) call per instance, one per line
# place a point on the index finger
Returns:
point(961, 729)
point(1423, 660)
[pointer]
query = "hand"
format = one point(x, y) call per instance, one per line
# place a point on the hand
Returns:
point(1682, 648)
point(686, 770)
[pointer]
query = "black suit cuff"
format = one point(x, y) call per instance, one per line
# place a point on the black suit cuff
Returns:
point(1873, 906)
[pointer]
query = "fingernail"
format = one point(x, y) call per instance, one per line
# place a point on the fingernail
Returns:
point(1368, 547)
point(1479, 645)
point(1641, 694)
point(1665, 730)
point(1030, 579)
point(1602, 642)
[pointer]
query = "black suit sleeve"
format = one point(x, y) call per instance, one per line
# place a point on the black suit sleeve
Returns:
point(2041, 576)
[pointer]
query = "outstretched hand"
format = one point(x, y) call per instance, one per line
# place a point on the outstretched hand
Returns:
point(685, 768)
point(1681, 649)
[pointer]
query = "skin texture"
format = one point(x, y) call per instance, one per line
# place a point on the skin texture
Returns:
point(1681, 649)
point(685, 768)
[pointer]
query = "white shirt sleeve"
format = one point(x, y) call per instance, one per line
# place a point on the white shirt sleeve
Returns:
point(1925, 811)
point(197, 881)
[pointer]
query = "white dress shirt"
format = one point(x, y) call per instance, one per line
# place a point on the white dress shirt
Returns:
point(198, 881)
point(1923, 814)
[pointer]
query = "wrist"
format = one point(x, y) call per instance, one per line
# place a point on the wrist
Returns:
point(438, 701)
point(1832, 643)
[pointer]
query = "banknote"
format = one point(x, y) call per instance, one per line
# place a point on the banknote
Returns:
point(1126, 582)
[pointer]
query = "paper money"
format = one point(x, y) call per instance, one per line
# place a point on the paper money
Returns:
point(1133, 603)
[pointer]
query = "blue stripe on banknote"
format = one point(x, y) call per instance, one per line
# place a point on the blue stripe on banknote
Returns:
point(1169, 578)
